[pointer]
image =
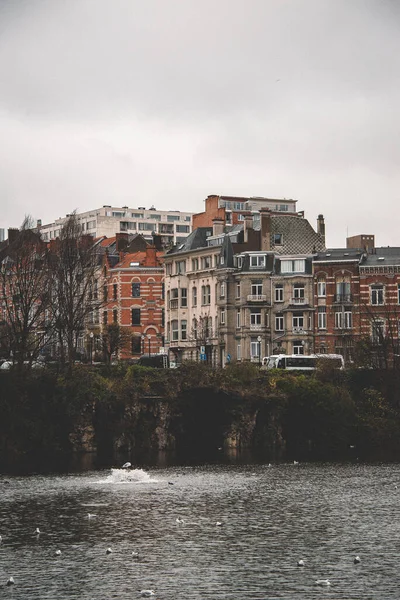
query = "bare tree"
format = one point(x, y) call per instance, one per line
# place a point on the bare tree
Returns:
point(379, 348)
point(26, 295)
point(73, 265)
point(113, 339)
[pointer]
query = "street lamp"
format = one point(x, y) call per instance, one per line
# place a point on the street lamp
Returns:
point(143, 338)
point(259, 338)
point(91, 347)
point(149, 338)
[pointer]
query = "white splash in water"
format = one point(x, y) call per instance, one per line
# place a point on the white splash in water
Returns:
point(128, 476)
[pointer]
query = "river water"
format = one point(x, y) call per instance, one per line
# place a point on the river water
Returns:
point(271, 517)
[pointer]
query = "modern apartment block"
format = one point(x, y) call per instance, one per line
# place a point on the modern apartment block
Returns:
point(172, 226)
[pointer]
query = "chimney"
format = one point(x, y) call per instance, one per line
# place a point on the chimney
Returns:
point(265, 219)
point(13, 233)
point(122, 240)
point(321, 226)
point(218, 226)
point(247, 225)
point(157, 241)
point(39, 223)
point(151, 256)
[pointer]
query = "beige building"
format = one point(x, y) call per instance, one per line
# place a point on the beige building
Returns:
point(244, 292)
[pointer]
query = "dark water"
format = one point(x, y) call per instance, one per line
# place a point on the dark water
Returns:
point(271, 517)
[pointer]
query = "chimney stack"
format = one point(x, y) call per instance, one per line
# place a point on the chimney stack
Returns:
point(122, 241)
point(13, 233)
point(321, 226)
point(265, 219)
point(218, 226)
point(248, 224)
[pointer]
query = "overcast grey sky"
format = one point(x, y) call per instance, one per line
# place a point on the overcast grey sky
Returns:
point(163, 102)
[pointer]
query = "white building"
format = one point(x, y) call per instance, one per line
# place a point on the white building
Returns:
point(172, 225)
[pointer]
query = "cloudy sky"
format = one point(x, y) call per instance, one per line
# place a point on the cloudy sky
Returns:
point(162, 102)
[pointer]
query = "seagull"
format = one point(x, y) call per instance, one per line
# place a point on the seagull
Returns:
point(323, 582)
point(127, 465)
point(10, 581)
point(300, 563)
point(135, 554)
point(1, 539)
point(57, 552)
point(147, 593)
point(218, 524)
point(108, 551)
point(180, 521)
point(357, 560)
point(170, 483)
point(91, 515)
point(295, 462)
point(37, 531)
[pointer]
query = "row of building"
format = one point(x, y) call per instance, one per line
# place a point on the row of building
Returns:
point(249, 279)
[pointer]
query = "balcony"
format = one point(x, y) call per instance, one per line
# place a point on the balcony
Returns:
point(256, 298)
point(298, 330)
point(173, 304)
point(343, 298)
point(299, 301)
point(255, 327)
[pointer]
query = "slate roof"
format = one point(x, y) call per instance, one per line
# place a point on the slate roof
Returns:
point(339, 254)
point(297, 235)
point(382, 256)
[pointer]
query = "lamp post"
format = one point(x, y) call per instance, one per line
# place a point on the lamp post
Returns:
point(143, 337)
point(149, 338)
point(91, 347)
point(259, 338)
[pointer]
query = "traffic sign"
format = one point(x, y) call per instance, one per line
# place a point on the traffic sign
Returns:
point(203, 356)
point(228, 358)
point(202, 349)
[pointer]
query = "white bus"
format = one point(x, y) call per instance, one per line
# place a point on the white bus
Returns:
point(301, 362)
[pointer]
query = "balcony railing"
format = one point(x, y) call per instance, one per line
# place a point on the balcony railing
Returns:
point(296, 300)
point(298, 330)
point(256, 298)
point(255, 326)
point(343, 297)
point(173, 303)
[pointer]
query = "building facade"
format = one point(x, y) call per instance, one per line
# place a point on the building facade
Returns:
point(172, 226)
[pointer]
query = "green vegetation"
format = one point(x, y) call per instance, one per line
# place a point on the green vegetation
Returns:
point(196, 409)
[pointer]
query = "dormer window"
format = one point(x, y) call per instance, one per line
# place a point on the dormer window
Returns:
point(257, 260)
point(278, 239)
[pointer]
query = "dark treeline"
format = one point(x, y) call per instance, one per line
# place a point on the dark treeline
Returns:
point(330, 415)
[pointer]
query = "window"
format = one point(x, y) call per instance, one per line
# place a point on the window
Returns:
point(278, 239)
point(222, 290)
point(205, 294)
point(154, 216)
point(298, 348)
point(172, 218)
point(343, 319)
point(183, 297)
point(377, 294)
point(238, 290)
point(182, 228)
point(146, 226)
point(163, 291)
point(162, 317)
point(239, 262)
point(135, 316)
point(398, 293)
point(255, 348)
point(298, 321)
point(195, 264)
point(180, 267)
point(238, 319)
point(279, 324)
point(168, 268)
point(255, 319)
point(222, 317)
point(137, 215)
point(256, 288)
point(194, 296)
point(105, 293)
point(239, 351)
point(136, 344)
point(257, 260)
point(378, 331)
point(105, 317)
point(206, 262)
point(293, 266)
point(183, 329)
point(279, 293)
point(222, 260)
point(115, 315)
point(298, 292)
point(135, 290)
point(321, 289)
point(194, 328)
point(115, 291)
point(175, 330)
point(343, 291)
point(322, 317)
point(174, 293)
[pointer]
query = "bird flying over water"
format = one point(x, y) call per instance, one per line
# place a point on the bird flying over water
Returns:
point(126, 465)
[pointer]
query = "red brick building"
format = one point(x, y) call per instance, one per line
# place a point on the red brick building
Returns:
point(134, 290)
